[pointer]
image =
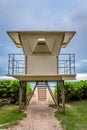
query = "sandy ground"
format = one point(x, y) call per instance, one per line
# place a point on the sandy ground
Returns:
point(39, 116)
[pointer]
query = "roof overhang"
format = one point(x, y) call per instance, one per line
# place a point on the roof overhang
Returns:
point(63, 37)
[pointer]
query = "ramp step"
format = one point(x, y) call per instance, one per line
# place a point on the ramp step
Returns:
point(41, 92)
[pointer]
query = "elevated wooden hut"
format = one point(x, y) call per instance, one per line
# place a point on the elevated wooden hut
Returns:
point(41, 59)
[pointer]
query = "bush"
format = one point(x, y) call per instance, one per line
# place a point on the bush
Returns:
point(74, 91)
point(10, 89)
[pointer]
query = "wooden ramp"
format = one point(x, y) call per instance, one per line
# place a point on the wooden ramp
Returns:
point(42, 92)
point(39, 116)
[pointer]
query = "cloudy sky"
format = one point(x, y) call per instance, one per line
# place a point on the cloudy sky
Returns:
point(68, 15)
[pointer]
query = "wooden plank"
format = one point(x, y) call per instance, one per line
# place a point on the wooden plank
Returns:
point(58, 92)
point(25, 90)
point(63, 97)
point(20, 97)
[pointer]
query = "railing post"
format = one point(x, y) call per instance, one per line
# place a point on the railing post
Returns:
point(25, 64)
point(70, 63)
point(13, 64)
point(8, 64)
point(57, 64)
point(16, 67)
point(64, 68)
point(74, 63)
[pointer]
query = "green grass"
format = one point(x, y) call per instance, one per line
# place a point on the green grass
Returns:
point(9, 116)
point(75, 117)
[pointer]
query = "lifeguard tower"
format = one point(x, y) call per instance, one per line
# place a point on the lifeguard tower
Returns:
point(41, 61)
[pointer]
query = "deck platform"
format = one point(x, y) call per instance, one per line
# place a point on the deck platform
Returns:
point(56, 77)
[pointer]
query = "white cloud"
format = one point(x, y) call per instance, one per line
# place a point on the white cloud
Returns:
point(6, 78)
point(84, 61)
point(81, 77)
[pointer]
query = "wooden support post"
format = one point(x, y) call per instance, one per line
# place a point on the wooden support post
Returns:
point(58, 93)
point(20, 96)
point(23, 84)
point(63, 97)
point(25, 90)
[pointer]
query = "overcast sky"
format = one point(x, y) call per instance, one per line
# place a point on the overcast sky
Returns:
point(67, 15)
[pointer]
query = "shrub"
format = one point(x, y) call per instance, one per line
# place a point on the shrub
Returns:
point(74, 91)
point(10, 89)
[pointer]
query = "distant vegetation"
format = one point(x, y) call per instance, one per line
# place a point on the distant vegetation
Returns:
point(9, 94)
point(9, 89)
point(75, 117)
point(74, 91)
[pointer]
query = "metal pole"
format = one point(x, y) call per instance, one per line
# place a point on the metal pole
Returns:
point(74, 63)
point(13, 64)
point(70, 63)
point(9, 65)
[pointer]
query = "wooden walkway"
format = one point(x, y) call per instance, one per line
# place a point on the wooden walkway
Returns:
point(39, 116)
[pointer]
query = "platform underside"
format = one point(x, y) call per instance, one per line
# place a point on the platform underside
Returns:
point(45, 77)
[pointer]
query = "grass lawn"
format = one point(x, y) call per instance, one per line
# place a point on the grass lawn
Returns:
point(9, 116)
point(75, 117)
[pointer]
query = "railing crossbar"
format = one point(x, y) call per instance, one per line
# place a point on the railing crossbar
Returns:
point(17, 64)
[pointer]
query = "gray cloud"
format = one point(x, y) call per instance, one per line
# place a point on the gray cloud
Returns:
point(81, 66)
point(44, 15)
point(3, 65)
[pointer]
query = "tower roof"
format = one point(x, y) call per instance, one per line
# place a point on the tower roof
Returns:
point(34, 42)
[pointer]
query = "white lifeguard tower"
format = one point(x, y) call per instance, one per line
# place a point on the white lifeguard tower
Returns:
point(41, 59)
